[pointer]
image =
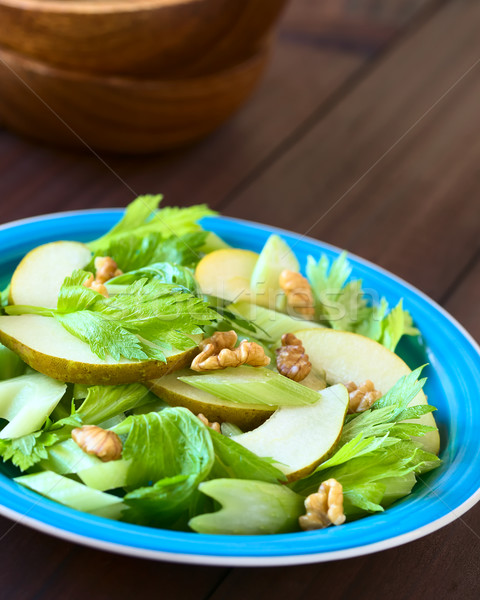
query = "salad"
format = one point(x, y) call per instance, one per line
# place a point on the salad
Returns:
point(160, 377)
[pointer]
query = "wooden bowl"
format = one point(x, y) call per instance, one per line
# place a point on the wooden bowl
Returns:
point(119, 114)
point(137, 37)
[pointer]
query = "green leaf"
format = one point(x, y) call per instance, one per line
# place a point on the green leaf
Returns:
point(407, 430)
point(73, 295)
point(234, 461)
point(106, 401)
point(135, 251)
point(415, 412)
point(142, 217)
point(163, 272)
point(396, 460)
point(28, 450)
point(105, 337)
point(369, 423)
point(140, 322)
point(403, 392)
point(138, 213)
point(343, 304)
point(173, 450)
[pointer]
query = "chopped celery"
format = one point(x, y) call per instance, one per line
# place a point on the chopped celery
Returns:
point(80, 391)
point(253, 385)
point(73, 494)
point(11, 365)
point(249, 508)
point(68, 458)
point(274, 323)
point(106, 475)
point(229, 429)
point(27, 401)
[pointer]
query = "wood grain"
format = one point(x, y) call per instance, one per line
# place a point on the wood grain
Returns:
point(381, 158)
point(302, 79)
point(145, 38)
point(121, 115)
point(337, 96)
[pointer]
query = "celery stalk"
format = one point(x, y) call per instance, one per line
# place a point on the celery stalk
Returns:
point(73, 494)
point(68, 458)
point(251, 385)
point(249, 508)
point(27, 401)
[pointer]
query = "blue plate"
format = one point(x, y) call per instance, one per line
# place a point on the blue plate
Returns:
point(453, 386)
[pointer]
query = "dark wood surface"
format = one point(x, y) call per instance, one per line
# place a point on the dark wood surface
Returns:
point(364, 133)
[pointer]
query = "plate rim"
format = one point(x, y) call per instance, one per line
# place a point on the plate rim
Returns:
point(239, 560)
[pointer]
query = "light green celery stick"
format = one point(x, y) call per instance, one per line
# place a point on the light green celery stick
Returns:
point(249, 508)
point(253, 385)
point(27, 401)
point(67, 458)
point(229, 429)
point(11, 365)
point(106, 475)
point(73, 494)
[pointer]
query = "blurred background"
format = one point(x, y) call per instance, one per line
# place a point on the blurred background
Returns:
point(351, 121)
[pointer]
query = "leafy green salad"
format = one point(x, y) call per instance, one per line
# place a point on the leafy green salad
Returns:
point(160, 377)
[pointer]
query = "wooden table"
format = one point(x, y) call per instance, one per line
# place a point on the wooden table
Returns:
point(365, 133)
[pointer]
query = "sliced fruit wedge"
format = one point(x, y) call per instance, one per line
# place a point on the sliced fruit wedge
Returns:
point(38, 278)
point(226, 273)
point(351, 357)
point(47, 347)
point(300, 437)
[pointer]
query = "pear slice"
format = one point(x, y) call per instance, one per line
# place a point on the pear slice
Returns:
point(274, 258)
point(351, 357)
point(47, 347)
point(178, 393)
point(226, 273)
point(38, 278)
point(300, 437)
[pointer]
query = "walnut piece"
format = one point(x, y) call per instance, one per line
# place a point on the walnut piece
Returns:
point(219, 352)
point(94, 285)
point(106, 269)
point(291, 358)
point(362, 397)
point(213, 425)
point(299, 293)
point(324, 507)
point(106, 445)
